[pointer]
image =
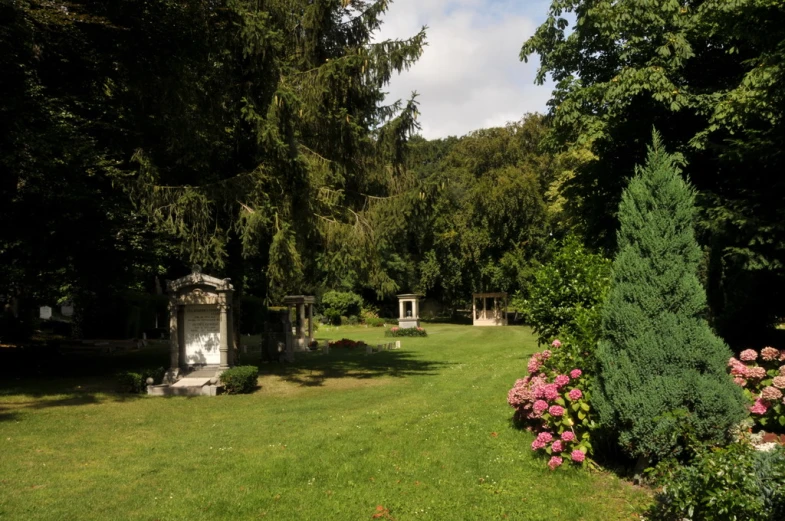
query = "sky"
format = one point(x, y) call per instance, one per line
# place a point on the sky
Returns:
point(469, 76)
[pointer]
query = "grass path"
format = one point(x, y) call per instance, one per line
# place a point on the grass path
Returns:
point(420, 433)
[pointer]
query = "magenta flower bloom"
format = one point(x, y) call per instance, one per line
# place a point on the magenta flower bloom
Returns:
point(568, 436)
point(769, 354)
point(578, 456)
point(557, 446)
point(556, 410)
point(740, 381)
point(759, 407)
point(779, 382)
point(534, 365)
point(575, 394)
point(755, 373)
point(748, 355)
point(540, 406)
point(554, 462)
point(556, 343)
point(561, 380)
point(575, 373)
point(782, 370)
point(545, 354)
point(538, 444)
point(551, 391)
point(771, 394)
point(545, 436)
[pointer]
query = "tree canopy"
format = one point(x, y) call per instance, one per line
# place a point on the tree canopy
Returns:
point(707, 75)
point(249, 137)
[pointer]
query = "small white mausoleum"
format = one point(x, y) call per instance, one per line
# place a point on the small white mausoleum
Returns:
point(409, 310)
point(489, 309)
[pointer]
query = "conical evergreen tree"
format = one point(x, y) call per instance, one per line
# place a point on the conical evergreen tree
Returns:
point(662, 370)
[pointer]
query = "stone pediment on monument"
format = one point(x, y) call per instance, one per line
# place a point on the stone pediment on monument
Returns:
point(197, 282)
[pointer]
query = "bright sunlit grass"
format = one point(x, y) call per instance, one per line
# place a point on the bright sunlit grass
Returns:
point(420, 433)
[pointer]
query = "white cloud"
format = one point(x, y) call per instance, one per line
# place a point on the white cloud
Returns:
point(469, 76)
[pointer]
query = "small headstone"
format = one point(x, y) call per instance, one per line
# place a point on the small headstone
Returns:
point(45, 312)
point(67, 310)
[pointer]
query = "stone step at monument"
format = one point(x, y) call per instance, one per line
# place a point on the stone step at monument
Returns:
point(185, 387)
point(202, 373)
point(191, 381)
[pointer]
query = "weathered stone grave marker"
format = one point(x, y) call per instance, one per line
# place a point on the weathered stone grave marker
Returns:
point(45, 312)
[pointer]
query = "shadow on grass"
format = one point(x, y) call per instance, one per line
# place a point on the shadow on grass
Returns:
point(313, 369)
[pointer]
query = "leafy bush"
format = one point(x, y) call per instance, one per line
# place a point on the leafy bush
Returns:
point(347, 344)
point(350, 321)
point(240, 379)
point(736, 482)
point(374, 322)
point(405, 331)
point(555, 403)
point(661, 368)
point(762, 375)
point(136, 381)
point(339, 304)
point(569, 289)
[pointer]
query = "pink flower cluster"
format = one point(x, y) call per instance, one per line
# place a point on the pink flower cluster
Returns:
point(542, 440)
point(769, 354)
point(751, 371)
point(540, 402)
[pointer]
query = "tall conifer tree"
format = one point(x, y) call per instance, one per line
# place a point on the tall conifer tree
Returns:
point(662, 369)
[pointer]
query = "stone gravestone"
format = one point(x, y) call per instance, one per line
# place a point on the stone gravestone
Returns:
point(67, 310)
point(45, 312)
point(200, 323)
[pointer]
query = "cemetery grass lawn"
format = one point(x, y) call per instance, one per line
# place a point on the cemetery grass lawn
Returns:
point(420, 433)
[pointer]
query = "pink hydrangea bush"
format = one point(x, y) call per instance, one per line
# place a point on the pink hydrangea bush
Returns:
point(762, 375)
point(554, 404)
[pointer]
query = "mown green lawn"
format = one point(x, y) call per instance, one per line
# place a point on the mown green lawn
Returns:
point(420, 433)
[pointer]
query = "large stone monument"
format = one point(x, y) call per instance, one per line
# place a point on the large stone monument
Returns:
point(200, 323)
point(303, 308)
point(489, 309)
point(409, 310)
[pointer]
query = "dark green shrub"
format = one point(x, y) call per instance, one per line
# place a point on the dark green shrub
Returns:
point(661, 368)
point(736, 482)
point(374, 322)
point(338, 304)
point(240, 379)
point(333, 316)
point(569, 289)
point(136, 381)
point(130, 382)
point(407, 331)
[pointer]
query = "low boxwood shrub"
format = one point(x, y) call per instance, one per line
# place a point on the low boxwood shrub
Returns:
point(405, 331)
point(240, 379)
point(136, 381)
point(374, 322)
point(735, 482)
